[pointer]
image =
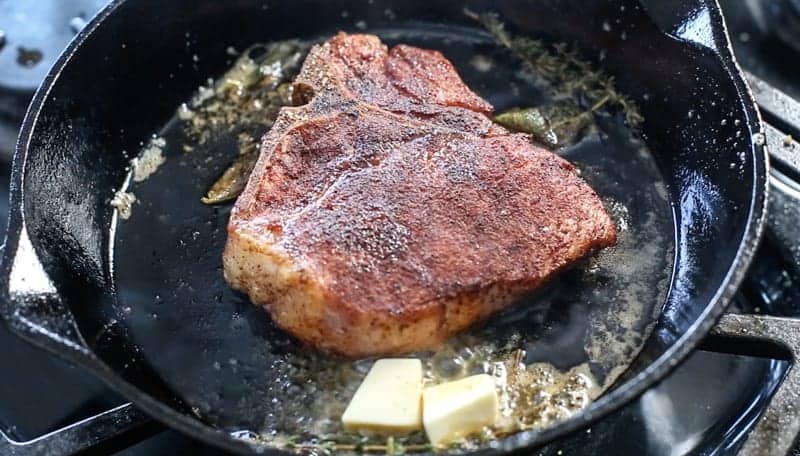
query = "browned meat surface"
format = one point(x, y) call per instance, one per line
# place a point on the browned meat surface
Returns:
point(389, 213)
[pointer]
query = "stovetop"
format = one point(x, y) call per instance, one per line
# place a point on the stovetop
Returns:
point(707, 407)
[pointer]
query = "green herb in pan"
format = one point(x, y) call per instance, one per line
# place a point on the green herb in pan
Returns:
point(567, 119)
point(552, 124)
point(246, 100)
point(234, 179)
point(528, 120)
point(564, 72)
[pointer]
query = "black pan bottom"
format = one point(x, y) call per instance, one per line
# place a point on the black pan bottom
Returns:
point(226, 359)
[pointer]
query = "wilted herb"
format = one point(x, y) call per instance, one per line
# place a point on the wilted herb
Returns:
point(291, 441)
point(551, 124)
point(565, 73)
point(528, 120)
point(245, 101)
point(328, 447)
point(567, 119)
point(393, 449)
point(234, 179)
point(393, 446)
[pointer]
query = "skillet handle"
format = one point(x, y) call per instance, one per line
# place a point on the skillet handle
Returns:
point(105, 433)
point(32, 307)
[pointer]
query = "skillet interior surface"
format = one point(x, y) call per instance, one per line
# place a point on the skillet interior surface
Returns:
point(227, 360)
point(160, 316)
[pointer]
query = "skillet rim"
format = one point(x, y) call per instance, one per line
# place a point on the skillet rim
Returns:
point(520, 442)
point(678, 352)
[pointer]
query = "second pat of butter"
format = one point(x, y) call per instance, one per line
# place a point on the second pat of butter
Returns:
point(388, 400)
point(454, 410)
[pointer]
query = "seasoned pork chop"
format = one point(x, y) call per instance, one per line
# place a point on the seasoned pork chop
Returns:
point(388, 212)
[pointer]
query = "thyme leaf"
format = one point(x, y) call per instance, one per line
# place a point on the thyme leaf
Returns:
point(564, 72)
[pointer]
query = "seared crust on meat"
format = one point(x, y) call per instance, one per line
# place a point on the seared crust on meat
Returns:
point(389, 213)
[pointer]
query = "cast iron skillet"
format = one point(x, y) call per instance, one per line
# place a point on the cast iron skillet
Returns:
point(123, 76)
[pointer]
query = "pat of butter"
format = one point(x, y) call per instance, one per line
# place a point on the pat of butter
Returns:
point(454, 410)
point(388, 400)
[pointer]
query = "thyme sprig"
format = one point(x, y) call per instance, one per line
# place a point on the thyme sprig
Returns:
point(392, 447)
point(564, 71)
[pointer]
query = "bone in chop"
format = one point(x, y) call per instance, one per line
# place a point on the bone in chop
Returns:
point(388, 212)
